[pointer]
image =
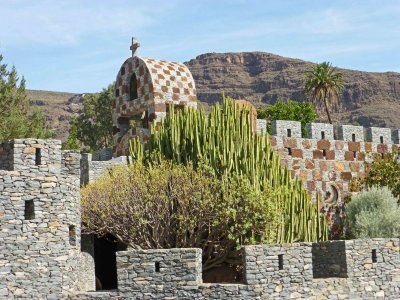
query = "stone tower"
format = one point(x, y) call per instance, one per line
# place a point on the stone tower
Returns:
point(39, 219)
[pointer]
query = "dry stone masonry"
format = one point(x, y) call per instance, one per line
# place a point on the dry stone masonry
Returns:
point(39, 219)
point(44, 256)
point(356, 269)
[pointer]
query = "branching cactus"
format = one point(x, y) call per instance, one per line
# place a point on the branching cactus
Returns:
point(224, 140)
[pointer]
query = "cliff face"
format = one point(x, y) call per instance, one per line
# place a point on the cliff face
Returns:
point(370, 99)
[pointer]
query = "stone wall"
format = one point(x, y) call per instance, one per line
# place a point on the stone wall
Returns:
point(93, 169)
point(39, 220)
point(287, 271)
point(329, 167)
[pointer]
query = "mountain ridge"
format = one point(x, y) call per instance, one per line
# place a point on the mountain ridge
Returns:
point(369, 98)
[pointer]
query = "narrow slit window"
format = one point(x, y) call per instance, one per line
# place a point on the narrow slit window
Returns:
point(374, 257)
point(381, 139)
point(38, 157)
point(355, 154)
point(324, 153)
point(157, 266)
point(353, 137)
point(322, 135)
point(289, 132)
point(280, 261)
point(72, 235)
point(289, 151)
point(29, 210)
point(116, 92)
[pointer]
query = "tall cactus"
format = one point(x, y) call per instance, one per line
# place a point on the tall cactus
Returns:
point(226, 142)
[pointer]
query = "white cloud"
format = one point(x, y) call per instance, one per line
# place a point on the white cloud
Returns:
point(61, 23)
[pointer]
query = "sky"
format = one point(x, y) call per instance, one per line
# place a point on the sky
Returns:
point(79, 45)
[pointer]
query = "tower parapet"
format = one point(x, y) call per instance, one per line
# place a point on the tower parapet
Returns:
point(40, 219)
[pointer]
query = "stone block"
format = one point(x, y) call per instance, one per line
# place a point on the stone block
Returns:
point(323, 145)
point(379, 135)
point(286, 128)
point(350, 133)
point(320, 131)
point(298, 153)
point(318, 154)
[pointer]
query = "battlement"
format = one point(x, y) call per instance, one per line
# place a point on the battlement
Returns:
point(324, 131)
point(352, 268)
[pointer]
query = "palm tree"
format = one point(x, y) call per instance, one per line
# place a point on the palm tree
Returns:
point(324, 85)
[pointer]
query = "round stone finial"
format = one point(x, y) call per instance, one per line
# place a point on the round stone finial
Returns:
point(135, 44)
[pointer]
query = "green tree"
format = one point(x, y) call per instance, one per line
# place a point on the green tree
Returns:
point(373, 213)
point(94, 125)
point(17, 120)
point(72, 142)
point(324, 84)
point(384, 171)
point(292, 110)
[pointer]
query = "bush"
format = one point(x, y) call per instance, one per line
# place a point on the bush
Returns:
point(303, 112)
point(385, 172)
point(173, 206)
point(373, 213)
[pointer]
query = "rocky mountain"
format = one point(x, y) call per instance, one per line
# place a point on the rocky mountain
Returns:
point(58, 107)
point(369, 98)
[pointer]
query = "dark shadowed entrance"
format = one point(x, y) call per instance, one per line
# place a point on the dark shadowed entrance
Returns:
point(105, 249)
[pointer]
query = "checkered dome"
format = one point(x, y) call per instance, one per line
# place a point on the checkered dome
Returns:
point(144, 89)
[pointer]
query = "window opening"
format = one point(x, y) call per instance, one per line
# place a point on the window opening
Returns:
point(322, 135)
point(355, 154)
point(324, 153)
point(116, 92)
point(374, 257)
point(289, 132)
point(381, 139)
point(289, 151)
point(133, 93)
point(29, 210)
point(157, 266)
point(72, 235)
point(38, 157)
point(280, 261)
point(353, 137)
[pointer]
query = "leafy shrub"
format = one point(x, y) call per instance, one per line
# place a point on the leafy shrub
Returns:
point(303, 112)
point(373, 213)
point(169, 206)
point(385, 172)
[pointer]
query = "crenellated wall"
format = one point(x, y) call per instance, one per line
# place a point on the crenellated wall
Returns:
point(354, 269)
point(329, 159)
